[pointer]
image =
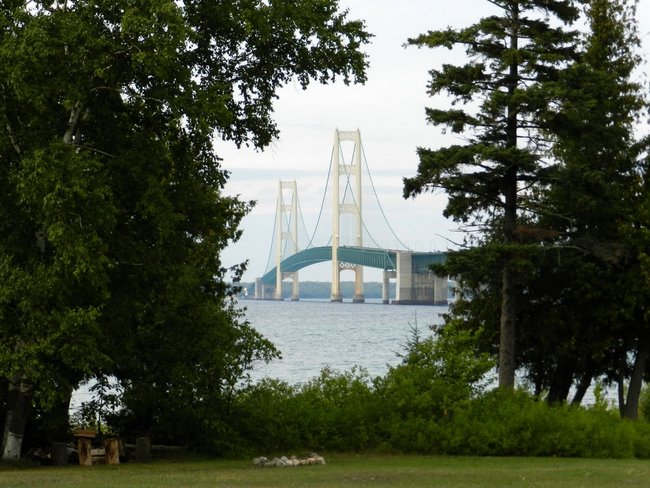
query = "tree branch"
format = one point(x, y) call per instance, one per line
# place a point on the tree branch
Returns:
point(12, 138)
point(75, 114)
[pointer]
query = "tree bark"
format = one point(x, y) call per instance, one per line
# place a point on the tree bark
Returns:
point(19, 401)
point(621, 392)
point(507, 366)
point(631, 410)
point(507, 332)
point(583, 386)
point(561, 381)
point(75, 114)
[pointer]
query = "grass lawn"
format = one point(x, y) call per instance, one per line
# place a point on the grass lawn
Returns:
point(343, 471)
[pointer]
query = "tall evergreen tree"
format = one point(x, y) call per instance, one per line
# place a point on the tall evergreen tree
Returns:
point(512, 55)
point(595, 199)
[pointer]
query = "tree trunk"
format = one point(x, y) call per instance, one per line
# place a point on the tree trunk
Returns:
point(631, 410)
point(58, 427)
point(621, 392)
point(583, 386)
point(507, 332)
point(75, 114)
point(507, 366)
point(19, 401)
point(561, 381)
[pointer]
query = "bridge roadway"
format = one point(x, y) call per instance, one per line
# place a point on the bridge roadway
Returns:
point(415, 281)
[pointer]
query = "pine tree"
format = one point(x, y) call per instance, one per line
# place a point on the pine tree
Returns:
point(596, 200)
point(489, 180)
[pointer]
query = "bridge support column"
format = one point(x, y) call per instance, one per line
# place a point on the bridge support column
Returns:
point(385, 285)
point(418, 287)
point(358, 296)
point(295, 288)
point(404, 290)
point(259, 289)
point(262, 291)
point(335, 295)
point(283, 236)
point(349, 170)
point(440, 290)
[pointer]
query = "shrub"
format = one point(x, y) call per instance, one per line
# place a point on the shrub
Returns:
point(332, 411)
point(434, 402)
point(437, 378)
point(267, 416)
point(516, 424)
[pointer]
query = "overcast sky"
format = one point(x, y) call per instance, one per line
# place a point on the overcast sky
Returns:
point(389, 112)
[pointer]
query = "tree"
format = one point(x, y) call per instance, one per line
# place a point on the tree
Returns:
point(489, 180)
point(112, 209)
point(596, 199)
point(581, 309)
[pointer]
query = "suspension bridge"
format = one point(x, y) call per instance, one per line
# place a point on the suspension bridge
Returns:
point(415, 282)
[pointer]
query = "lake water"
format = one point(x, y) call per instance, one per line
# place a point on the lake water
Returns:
point(312, 335)
point(315, 334)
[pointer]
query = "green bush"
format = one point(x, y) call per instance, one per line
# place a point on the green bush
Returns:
point(436, 402)
point(267, 416)
point(437, 378)
point(334, 411)
point(516, 424)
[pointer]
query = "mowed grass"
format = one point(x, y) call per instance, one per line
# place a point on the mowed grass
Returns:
point(343, 471)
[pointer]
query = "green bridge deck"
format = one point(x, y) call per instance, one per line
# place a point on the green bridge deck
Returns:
point(364, 256)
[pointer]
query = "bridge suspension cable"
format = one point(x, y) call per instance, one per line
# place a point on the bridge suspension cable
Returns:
point(268, 260)
point(374, 190)
point(348, 194)
point(322, 203)
point(381, 208)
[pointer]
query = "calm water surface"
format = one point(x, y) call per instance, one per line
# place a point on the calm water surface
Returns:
point(312, 335)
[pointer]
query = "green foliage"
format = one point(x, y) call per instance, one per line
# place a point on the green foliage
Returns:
point(644, 404)
point(335, 411)
point(569, 269)
point(438, 374)
point(273, 417)
point(436, 402)
point(493, 178)
point(112, 211)
point(437, 378)
point(507, 423)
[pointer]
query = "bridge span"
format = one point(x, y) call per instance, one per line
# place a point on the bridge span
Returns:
point(416, 283)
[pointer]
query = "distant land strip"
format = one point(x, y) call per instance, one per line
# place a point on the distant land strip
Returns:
point(323, 289)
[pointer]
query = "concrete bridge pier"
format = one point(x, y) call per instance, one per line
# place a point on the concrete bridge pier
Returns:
point(335, 295)
point(262, 291)
point(295, 287)
point(440, 290)
point(358, 296)
point(385, 286)
point(418, 286)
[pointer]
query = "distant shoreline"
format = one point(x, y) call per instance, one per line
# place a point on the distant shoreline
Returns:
point(323, 289)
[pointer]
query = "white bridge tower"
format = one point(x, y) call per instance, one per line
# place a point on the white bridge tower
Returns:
point(351, 170)
point(286, 237)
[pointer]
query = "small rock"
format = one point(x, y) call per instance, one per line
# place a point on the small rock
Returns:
point(260, 461)
point(318, 459)
point(283, 461)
